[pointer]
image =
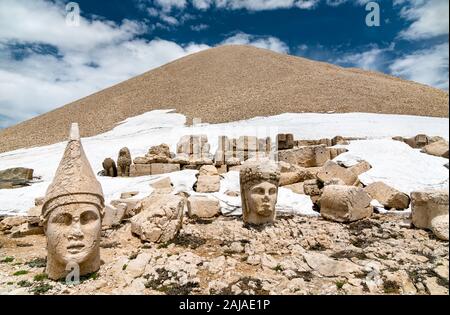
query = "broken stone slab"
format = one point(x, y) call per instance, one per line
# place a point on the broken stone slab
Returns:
point(160, 218)
point(333, 170)
point(439, 226)
point(209, 170)
point(285, 141)
point(17, 173)
point(9, 222)
point(439, 148)
point(208, 184)
point(389, 197)
point(297, 188)
point(162, 186)
point(130, 210)
point(308, 156)
point(416, 142)
point(203, 207)
point(334, 152)
point(114, 215)
point(297, 176)
point(161, 168)
point(329, 267)
point(26, 229)
point(360, 168)
point(426, 205)
point(137, 170)
point(345, 203)
point(128, 194)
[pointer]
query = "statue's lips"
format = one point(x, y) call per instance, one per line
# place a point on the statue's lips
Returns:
point(75, 247)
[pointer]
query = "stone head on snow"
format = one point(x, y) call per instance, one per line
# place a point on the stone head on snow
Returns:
point(72, 213)
point(259, 181)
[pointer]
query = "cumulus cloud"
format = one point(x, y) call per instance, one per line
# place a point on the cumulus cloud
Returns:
point(427, 66)
point(429, 18)
point(374, 58)
point(45, 64)
point(266, 42)
point(254, 5)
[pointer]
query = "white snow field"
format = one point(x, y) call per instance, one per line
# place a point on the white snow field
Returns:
point(393, 162)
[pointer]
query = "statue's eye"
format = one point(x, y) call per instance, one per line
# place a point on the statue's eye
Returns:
point(272, 191)
point(62, 218)
point(88, 217)
point(258, 190)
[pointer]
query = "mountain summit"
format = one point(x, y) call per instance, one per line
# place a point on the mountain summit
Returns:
point(229, 83)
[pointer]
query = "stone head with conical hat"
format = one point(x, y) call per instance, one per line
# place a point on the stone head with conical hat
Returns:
point(72, 214)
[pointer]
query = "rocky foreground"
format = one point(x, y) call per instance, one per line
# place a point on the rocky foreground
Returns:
point(383, 254)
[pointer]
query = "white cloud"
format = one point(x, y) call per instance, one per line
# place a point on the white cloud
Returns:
point(429, 18)
point(199, 27)
point(39, 81)
point(202, 4)
point(266, 42)
point(372, 59)
point(168, 5)
point(428, 66)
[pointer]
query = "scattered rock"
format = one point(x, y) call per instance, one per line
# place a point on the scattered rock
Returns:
point(308, 156)
point(160, 219)
point(345, 203)
point(162, 186)
point(329, 267)
point(203, 207)
point(439, 226)
point(208, 184)
point(332, 170)
point(426, 205)
point(208, 170)
point(360, 168)
point(389, 197)
point(438, 148)
point(130, 194)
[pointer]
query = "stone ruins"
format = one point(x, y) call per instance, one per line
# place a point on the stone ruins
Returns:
point(174, 241)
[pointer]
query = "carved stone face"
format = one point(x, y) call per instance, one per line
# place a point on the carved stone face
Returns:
point(262, 199)
point(73, 233)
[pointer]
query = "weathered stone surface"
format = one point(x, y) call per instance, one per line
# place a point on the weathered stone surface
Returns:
point(333, 170)
point(334, 181)
point(114, 215)
point(131, 204)
point(339, 140)
point(389, 197)
point(297, 188)
point(160, 218)
point(345, 203)
point(308, 156)
point(16, 173)
point(222, 169)
point(194, 145)
point(208, 184)
point(135, 268)
point(329, 267)
point(162, 186)
point(334, 152)
point(209, 170)
point(137, 170)
point(26, 229)
point(297, 176)
point(416, 142)
point(128, 194)
point(360, 168)
point(312, 187)
point(161, 168)
point(426, 205)
point(438, 148)
point(142, 160)
point(10, 222)
point(162, 151)
point(203, 207)
point(439, 226)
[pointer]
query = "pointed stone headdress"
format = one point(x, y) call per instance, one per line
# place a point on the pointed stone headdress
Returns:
point(74, 181)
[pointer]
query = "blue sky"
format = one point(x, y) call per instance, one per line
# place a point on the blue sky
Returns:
point(46, 62)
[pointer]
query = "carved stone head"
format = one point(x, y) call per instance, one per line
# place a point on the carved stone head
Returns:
point(72, 214)
point(259, 182)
